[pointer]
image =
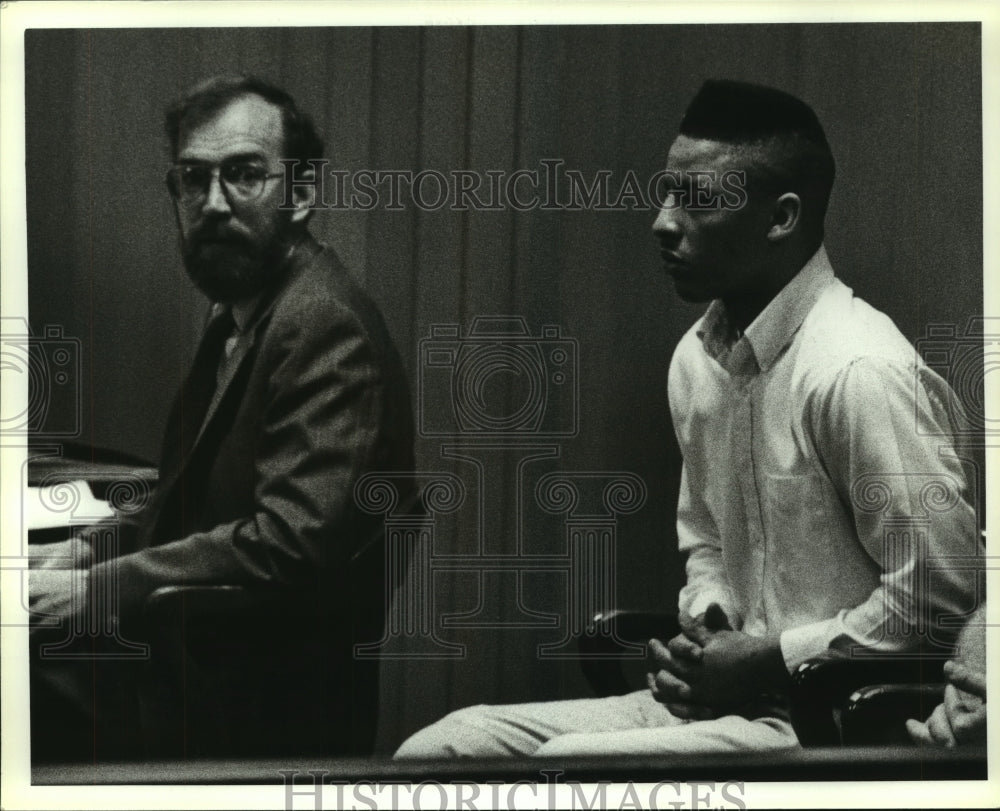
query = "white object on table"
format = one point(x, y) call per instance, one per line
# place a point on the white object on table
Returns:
point(63, 505)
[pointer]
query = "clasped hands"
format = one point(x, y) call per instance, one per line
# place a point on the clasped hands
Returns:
point(709, 668)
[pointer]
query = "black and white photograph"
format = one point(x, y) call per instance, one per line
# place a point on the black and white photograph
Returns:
point(446, 405)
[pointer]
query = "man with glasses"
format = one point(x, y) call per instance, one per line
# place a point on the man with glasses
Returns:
point(295, 393)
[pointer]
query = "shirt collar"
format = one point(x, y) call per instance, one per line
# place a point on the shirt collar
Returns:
point(772, 330)
point(244, 311)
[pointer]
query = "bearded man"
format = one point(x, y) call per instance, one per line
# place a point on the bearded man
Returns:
point(295, 393)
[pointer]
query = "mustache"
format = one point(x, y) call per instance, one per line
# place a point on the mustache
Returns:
point(216, 233)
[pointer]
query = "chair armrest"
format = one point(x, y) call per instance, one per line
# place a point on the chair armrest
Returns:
point(876, 714)
point(823, 684)
point(615, 636)
point(233, 612)
point(176, 618)
point(169, 603)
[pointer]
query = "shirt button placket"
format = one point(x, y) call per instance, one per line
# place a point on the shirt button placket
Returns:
point(751, 492)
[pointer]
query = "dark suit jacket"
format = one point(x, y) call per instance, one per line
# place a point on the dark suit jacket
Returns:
point(265, 496)
point(264, 499)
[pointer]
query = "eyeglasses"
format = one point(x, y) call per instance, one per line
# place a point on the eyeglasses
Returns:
point(189, 183)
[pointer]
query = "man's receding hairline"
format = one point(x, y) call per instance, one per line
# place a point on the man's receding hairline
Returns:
point(244, 95)
point(211, 115)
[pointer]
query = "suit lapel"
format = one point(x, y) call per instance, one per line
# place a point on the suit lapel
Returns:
point(237, 374)
point(192, 401)
point(236, 360)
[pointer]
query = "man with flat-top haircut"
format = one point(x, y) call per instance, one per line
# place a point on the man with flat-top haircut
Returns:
point(797, 407)
point(295, 393)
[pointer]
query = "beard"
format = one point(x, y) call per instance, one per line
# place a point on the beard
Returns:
point(229, 267)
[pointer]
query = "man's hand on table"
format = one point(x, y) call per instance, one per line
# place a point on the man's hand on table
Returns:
point(56, 592)
point(69, 554)
point(57, 578)
point(709, 666)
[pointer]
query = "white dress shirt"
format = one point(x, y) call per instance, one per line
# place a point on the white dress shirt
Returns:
point(821, 499)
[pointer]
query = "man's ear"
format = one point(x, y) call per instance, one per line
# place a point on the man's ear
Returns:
point(303, 195)
point(785, 216)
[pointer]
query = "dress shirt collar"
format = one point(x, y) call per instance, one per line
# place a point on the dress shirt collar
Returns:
point(244, 311)
point(771, 331)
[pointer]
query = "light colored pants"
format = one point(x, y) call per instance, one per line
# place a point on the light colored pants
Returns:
point(633, 724)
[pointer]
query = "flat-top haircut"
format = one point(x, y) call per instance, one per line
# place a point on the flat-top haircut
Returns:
point(208, 97)
point(780, 135)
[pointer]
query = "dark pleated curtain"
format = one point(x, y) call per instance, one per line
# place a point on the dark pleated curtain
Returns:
point(902, 108)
